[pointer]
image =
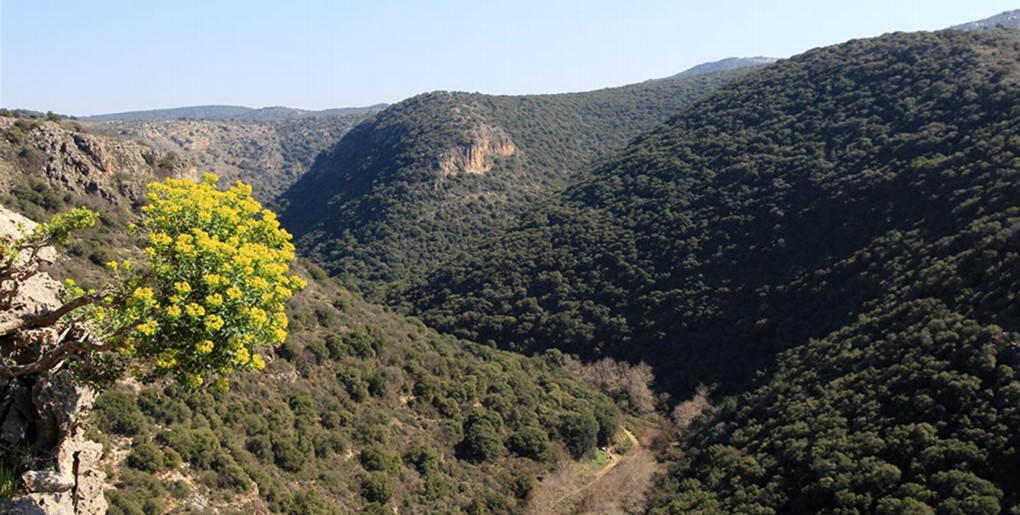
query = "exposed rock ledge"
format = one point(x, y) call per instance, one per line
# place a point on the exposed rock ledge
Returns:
point(485, 142)
point(43, 416)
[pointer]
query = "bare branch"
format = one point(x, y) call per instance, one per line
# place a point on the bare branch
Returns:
point(48, 360)
point(48, 318)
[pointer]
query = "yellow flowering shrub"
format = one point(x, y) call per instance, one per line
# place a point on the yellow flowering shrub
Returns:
point(214, 288)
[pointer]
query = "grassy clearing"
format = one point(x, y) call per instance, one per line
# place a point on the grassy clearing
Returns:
point(601, 458)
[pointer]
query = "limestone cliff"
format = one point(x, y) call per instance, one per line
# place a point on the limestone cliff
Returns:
point(40, 418)
point(483, 144)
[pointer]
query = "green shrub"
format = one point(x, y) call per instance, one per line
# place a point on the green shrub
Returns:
point(608, 418)
point(287, 455)
point(116, 412)
point(529, 442)
point(376, 487)
point(580, 433)
point(146, 457)
point(377, 460)
point(481, 441)
point(424, 459)
point(137, 493)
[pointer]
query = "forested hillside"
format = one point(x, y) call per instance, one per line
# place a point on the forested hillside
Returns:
point(854, 206)
point(359, 410)
point(428, 176)
point(820, 259)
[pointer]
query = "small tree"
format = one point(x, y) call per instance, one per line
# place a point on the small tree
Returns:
point(481, 441)
point(580, 433)
point(211, 289)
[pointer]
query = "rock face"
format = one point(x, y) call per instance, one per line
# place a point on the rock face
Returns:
point(485, 143)
point(269, 155)
point(75, 159)
point(41, 417)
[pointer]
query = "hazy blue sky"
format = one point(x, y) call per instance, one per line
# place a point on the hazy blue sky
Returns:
point(97, 56)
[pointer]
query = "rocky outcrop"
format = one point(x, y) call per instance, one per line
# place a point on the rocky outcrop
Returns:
point(47, 422)
point(477, 155)
point(74, 159)
point(41, 418)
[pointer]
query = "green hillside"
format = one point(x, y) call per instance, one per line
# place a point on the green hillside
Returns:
point(359, 411)
point(833, 204)
point(428, 176)
point(911, 409)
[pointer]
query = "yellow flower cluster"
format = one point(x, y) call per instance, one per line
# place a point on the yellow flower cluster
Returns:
point(220, 266)
point(148, 328)
point(213, 323)
point(143, 294)
point(194, 310)
point(204, 346)
point(166, 360)
point(159, 239)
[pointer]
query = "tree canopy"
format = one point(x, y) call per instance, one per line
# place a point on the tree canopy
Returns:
point(836, 234)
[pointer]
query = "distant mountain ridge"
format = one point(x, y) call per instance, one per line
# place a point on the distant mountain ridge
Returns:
point(730, 63)
point(1005, 20)
point(225, 112)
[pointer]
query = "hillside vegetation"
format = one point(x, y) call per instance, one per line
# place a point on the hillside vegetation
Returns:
point(48, 167)
point(268, 154)
point(430, 175)
point(856, 205)
point(360, 409)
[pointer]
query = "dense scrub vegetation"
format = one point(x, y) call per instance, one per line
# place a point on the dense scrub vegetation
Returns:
point(910, 409)
point(822, 255)
point(381, 207)
point(872, 179)
point(360, 410)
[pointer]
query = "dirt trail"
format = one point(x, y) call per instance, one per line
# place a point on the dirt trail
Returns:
point(639, 460)
point(615, 459)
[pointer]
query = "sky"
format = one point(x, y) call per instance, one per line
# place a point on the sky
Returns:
point(85, 57)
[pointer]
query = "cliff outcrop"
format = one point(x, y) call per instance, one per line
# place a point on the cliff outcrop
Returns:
point(477, 155)
point(76, 161)
point(41, 417)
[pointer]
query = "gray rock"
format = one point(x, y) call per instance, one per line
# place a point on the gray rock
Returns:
point(47, 481)
point(47, 417)
point(16, 409)
point(61, 405)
